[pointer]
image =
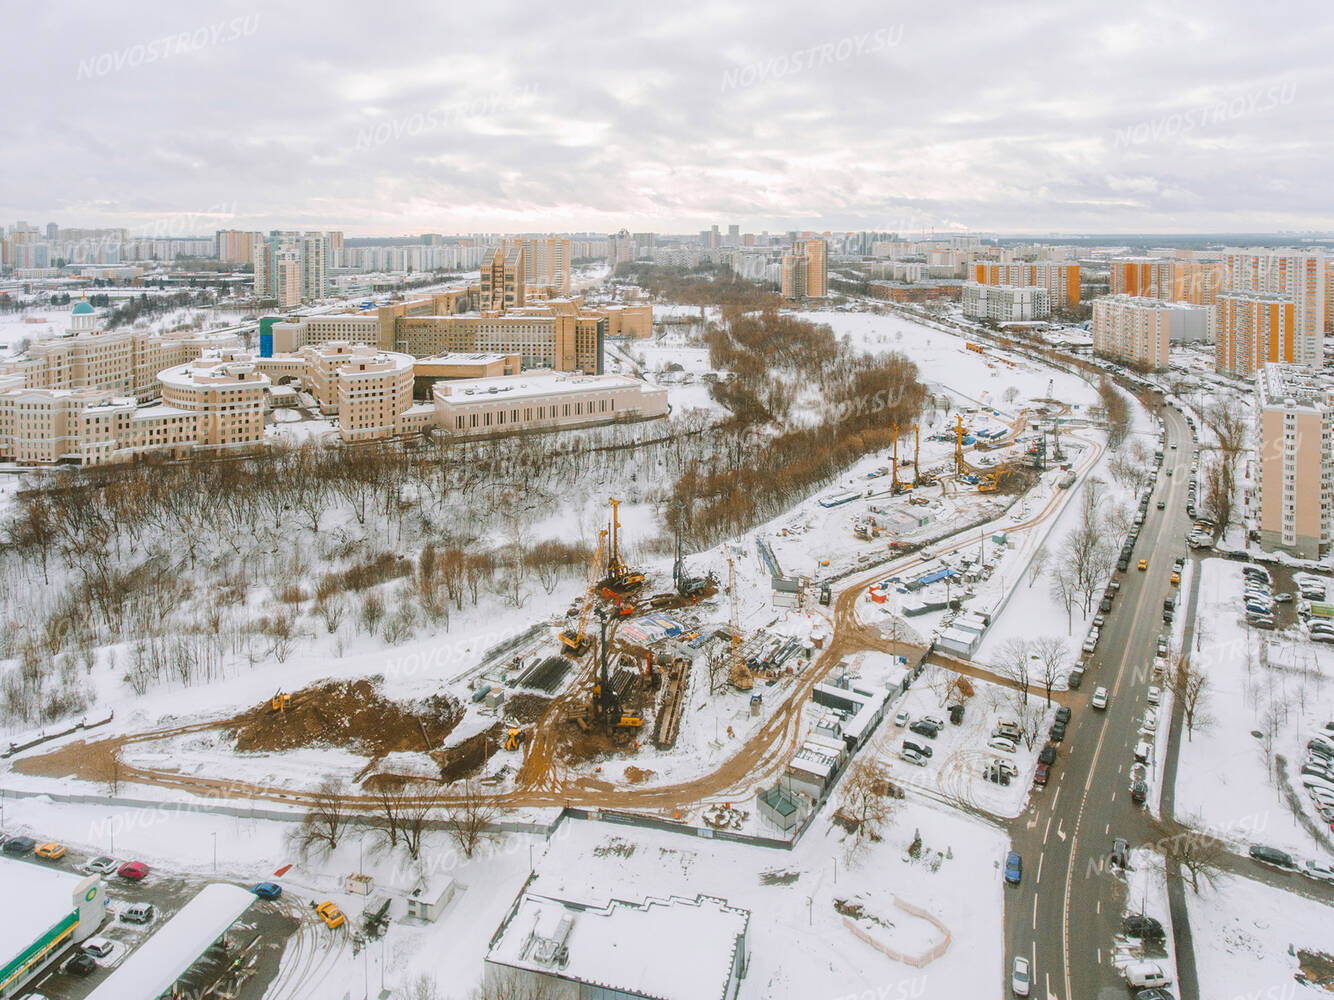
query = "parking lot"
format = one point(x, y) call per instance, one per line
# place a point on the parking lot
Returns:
point(273, 922)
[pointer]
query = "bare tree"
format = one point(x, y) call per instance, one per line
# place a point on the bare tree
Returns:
point(1015, 664)
point(508, 984)
point(1064, 589)
point(1036, 565)
point(1218, 493)
point(1051, 652)
point(1190, 686)
point(323, 826)
point(468, 818)
point(1191, 854)
point(867, 800)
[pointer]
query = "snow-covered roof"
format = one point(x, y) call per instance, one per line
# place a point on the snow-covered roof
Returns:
point(636, 948)
point(47, 898)
point(152, 969)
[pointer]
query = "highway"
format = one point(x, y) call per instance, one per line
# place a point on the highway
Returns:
point(1066, 912)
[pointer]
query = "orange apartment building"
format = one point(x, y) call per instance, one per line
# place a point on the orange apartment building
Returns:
point(1252, 326)
point(1190, 281)
point(1251, 330)
point(805, 271)
point(1060, 278)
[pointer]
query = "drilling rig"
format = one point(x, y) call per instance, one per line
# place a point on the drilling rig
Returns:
point(741, 676)
point(619, 575)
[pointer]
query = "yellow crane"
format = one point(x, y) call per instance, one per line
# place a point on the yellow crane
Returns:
point(618, 573)
point(576, 639)
point(741, 676)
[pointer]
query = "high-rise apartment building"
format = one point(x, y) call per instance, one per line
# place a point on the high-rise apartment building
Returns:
point(805, 271)
point(1296, 471)
point(1005, 303)
point(292, 267)
point(546, 261)
point(1137, 330)
point(1060, 278)
point(235, 246)
point(1252, 325)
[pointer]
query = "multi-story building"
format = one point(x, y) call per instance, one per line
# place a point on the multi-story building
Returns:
point(1136, 330)
point(503, 279)
point(41, 426)
point(1255, 329)
point(1060, 278)
point(1296, 470)
point(1005, 303)
point(542, 401)
point(546, 261)
point(1252, 329)
point(292, 267)
point(235, 246)
point(805, 271)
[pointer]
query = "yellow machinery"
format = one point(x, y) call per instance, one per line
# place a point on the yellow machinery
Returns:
point(991, 480)
point(630, 721)
point(576, 639)
point(514, 739)
point(960, 466)
point(899, 487)
point(741, 676)
point(618, 573)
point(280, 702)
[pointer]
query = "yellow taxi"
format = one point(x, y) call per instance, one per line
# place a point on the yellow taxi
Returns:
point(331, 915)
point(1144, 564)
point(50, 852)
point(1176, 578)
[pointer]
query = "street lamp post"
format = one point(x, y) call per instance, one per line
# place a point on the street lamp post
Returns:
point(215, 852)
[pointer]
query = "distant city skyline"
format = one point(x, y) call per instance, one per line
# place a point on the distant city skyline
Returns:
point(384, 121)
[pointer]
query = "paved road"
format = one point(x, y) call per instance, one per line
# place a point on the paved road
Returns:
point(1066, 912)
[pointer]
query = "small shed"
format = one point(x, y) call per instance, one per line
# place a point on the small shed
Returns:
point(429, 899)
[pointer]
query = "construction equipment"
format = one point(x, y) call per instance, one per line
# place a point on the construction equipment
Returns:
point(576, 639)
point(606, 706)
point(898, 486)
point(686, 586)
point(960, 466)
point(826, 593)
point(741, 676)
point(623, 607)
point(514, 738)
point(990, 481)
point(280, 702)
point(916, 455)
point(619, 575)
point(629, 722)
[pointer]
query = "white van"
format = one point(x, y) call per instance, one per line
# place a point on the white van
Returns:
point(1145, 975)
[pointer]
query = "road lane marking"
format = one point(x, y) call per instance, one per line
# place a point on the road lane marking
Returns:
point(1047, 831)
point(1041, 858)
point(1035, 911)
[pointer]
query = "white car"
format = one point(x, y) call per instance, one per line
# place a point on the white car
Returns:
point(1143, 751)
point(1002, 744)
point(1099, 697)
point(1155, 694)
point(1021, 980)
point(98, 947)
point(1318, 871)
point(902, 719)
point(100, 866)
point(912, 756)
point(1150, 721)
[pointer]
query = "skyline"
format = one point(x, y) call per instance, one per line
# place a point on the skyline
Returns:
point(1137, 121)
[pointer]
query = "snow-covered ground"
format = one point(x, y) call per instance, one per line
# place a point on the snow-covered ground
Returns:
point(1258, 684)
point(1248, 937)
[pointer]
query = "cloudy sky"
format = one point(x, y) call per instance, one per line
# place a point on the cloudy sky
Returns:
point(396, 117)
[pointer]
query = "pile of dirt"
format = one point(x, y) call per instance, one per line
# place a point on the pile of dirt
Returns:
point(351, 715)
point(467, 758)
point(526, 708)
point(636, 775)
point(1317, 968)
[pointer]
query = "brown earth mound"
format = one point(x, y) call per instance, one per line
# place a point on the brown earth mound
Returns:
point(352, 715)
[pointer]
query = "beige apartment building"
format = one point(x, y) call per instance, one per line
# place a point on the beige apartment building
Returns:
point(542, 401)
point(804, 273)
point(503, 279)
point(1005, 303)
point(1136, 330)
point(41, 426)
point(1296, 472)
point(546, 262)
point(226, 392)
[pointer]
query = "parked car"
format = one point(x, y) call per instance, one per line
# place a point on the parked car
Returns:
point(1010, 730)
point(98, 947)
point(81, 964)
point(331, 915)
point(1047, 755)
point(267, 890)
point(1273, 857)
point(1099, 697)
point(923, 728)
point(1002, 744)
point(1155, 694)
point(1014, 868)
point(1139, 791)
point(1040, 774)
point(135, 871)
point(1319, 872)
point(1157, 993)
point(1075, 678)
point(1057, 733)
point(99, 866)
point(1120, 855)
point(923, 748)
point(1063, 713)
point(912, 756)
point(902, 719)
point(138, 913)
point(1143, 751)
point(1283, 598)
point(1146, 974)
point(50, 852)
point(1021, 978)
point(16, 846)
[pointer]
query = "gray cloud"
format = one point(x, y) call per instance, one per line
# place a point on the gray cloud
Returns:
point(512, 116)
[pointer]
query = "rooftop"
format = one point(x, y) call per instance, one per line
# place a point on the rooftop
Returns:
point(636, 948)
point(48, 898)
point(529, 384)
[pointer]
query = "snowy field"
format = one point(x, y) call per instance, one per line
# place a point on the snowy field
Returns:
point(1224, 777)
point(1245, 934)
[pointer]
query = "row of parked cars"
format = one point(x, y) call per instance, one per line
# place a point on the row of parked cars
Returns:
point(1317, 775)
point(918, 752)
point(1258, 599)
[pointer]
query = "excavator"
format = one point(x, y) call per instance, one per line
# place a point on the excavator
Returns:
point(576, 639)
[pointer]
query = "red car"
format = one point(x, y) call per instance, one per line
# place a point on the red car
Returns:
point(133, 870)
point(1040, 775)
